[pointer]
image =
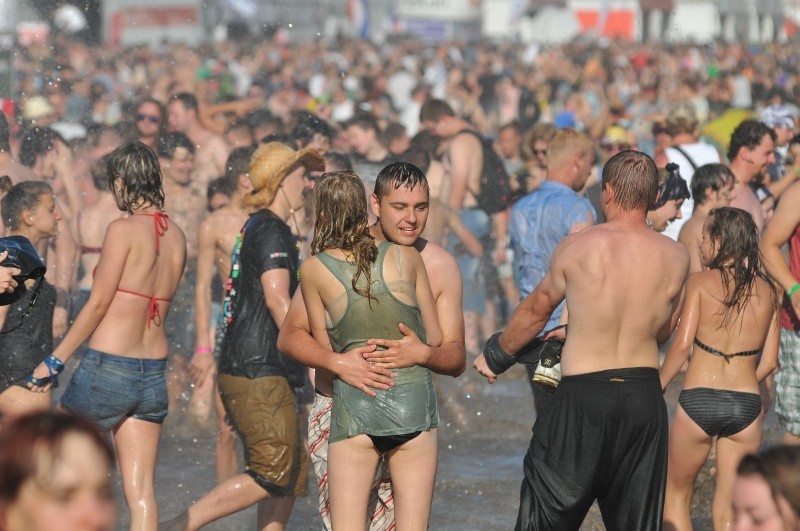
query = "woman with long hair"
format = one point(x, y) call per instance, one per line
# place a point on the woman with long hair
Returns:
point(119, 384)
point(26, 337)
point(354, 291)
point(730, 316)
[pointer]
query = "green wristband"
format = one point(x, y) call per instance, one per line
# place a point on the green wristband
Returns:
point(791, 291)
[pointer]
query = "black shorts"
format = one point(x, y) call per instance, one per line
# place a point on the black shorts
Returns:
point(603, 437)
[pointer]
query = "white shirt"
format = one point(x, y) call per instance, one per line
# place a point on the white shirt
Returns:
point(701, 153)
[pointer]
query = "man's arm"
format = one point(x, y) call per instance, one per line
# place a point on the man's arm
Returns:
point(203, 357)
point(684, 337)
point(295, 340)
point(780, 229)
point(450, 357)
point(462, 155)
point(65, 259)
point(532, 314)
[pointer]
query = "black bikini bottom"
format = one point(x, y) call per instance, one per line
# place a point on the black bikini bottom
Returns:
point(720, 412)
point(387, 443)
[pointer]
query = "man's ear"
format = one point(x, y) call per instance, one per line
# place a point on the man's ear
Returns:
point(375, 204)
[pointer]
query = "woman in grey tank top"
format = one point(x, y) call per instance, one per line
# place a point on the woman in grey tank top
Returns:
point(355, 290)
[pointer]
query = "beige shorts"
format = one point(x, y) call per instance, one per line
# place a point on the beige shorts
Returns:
point(264, 413)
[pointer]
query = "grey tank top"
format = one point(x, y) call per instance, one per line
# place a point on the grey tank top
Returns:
point(407, 407)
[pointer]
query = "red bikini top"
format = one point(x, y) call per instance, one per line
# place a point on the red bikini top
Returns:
point(160, 225)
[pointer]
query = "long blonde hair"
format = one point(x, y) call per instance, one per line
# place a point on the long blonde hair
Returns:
point(340, 207)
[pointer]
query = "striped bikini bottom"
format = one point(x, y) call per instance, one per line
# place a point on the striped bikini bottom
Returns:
point(720, 412)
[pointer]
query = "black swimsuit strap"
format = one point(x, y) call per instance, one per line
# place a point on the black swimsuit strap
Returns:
point(720, 353)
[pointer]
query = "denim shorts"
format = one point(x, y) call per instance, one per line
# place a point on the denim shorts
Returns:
point(478, 223)
point(107, 389)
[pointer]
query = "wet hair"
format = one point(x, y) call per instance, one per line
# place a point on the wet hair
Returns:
point(737, 256)
point(136, 166)
point(748, 134)
point(24, 196)
point(238, 162)
point(170, 142)
point(36, 142)
point(338, 161)
point(33, 444)
point(779, 467)
point(434, 109)
point(712, 177)
point(99, 173)
point(634, 178)
point(309, 125)
point(187, 99)
point(399, 174)
point(340, 210)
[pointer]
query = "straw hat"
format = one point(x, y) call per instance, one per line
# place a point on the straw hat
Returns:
point(270, 164)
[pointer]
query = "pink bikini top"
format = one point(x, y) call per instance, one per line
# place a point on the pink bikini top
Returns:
point(160, 225)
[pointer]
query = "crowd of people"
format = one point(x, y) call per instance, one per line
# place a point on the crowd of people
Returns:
point(421, 198)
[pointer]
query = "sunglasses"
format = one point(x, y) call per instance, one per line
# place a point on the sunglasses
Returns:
point(142, 117)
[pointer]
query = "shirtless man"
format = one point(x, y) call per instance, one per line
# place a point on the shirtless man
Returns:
point(211, 149)
point(463, 161)
point(604, 435)
point(402, 211)
point(783, 228)
point(712, 187)
point(217, 237)
point(751, 150)
point(186, 206)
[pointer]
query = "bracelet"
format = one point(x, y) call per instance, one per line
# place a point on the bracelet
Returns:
point(791, 291)
point(202, 350)
point(497, 359)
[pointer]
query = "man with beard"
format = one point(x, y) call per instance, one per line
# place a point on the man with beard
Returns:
point(751, 150)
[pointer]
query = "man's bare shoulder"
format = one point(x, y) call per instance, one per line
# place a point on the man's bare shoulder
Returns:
point(434, 256)
point(463, 141)
point(441, 266)
point(641, 239)
point(692, 228)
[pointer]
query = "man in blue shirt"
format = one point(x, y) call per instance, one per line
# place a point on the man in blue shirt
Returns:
point(540, 220)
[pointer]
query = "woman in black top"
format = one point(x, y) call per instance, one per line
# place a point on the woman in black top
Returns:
point(26, 336)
